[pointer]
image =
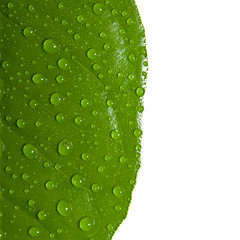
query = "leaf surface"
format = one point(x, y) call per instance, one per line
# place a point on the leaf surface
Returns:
point(72, 79)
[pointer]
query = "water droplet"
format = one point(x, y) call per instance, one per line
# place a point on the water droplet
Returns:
point(124, 13)
point(78, 180)
point(31, 202)
point(103, 34)
point(50, 46)
point(21, 123)
point(87, 224)
point(60, 6)
point(131, 77)
point(118, 208)
point(110, 103)
point(56, 99)
point(85, 103)
point(42, 215)
point(122, 159)
point(64, 208)
point(3, 234)
point(130, 21)
point(101, 169)
point(25, 176)
point(96, 187)
point(31, 8)
point(85, 156)
point(28, 32)
point(33, 103)
point(117, 191)
point(115, 134)
point(38, 124)
point(110, 227)
point(107, 157)
point(96, 67)
point(60, 79)
point(50, 185)
point(132, 57)
point(79, 18)
point(77, 36)
point(92, 54)
point(60, 117)
point(140, 91)
point(65, 147)
point(34, 231)
point(5, 64)
point(29, 151)
point(10, 5)
point(63, 64)
point(78, 120)
point(98, 8)
point(39, 78)
point(138, 132)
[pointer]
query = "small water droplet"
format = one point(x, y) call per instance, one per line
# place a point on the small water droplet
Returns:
point(91, 54)
point(85, 156)
point(21, 123)
point(60, 6)
point(122, 159)
point(96, 187)
point(118, 208)
point(60, 117)
point(42, 215)
point(63, 64)
point(5, 64)
point(132, 57)
point(34, 231)
point(110, 103)
point(110, 227)
point(56, 99)
point(31, 8)
point(117, 191)
point(39, 78)
point(25, 176)
point(101, 169)
point(31, 202)
point(50, 46)
point(29, 151)
point(79, 18)
point(96, 67)
point(138, 132)
point(85, 103)
point(33, 103)
point(130, 21)
point(77, 180)
point(86, 224)
point(115, 134)
point(140, 91)
point(28, 32)
point(50, 185)
point(77, 36)
point(60, 79)
point(65, 147)
point(103, 34)
point(64, 208)
point(98, 8)
point(78, 120)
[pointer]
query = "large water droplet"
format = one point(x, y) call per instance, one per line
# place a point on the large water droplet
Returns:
point(87, 224)
point(65, 147)
point(28, 32)
point(50, 185)
point(117, 191)
point(64, 208)
point(78, 180)
point(42, 215)
point(34, 231)
point(29, 151)
point(92, 54)
point(50, 46)
point(56, 99)
point(98, 8)
point(115, 134)
point(63, 64)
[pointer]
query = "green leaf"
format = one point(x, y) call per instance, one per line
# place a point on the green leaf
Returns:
point(72, 80)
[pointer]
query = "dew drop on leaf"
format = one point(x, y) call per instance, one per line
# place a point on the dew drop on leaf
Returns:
point(56, 99)
point(86, 224)
point(34, 231)
point(64, 208)
point(29, 151)
point(42, 215)
point(65, 147)
point(50, 46)
point(98, 8)
point(115, 134)
point(39, 78)
point(28, 32)
point(63, 64)
point(117, 191)
point(92, 54)
point(77, 180)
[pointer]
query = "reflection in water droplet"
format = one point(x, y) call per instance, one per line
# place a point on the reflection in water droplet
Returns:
point(33, 103)
point(39, 78)
point(110, 227)
point(60, 117)
point(86, 224)
point(117, 191)
point(50, 185)
point(85, 156)
point(132, 57)
point(50, 46)
point(79, 18)
point(65, 147)
point(140, 91)
point(138, 132)
point(78, 120)
point(118, 208)
point(29, 151)
point(21, 123)
point(5, 64)
point(64, 208)
point(96, 187)
point(85, 103)
point(78, 180)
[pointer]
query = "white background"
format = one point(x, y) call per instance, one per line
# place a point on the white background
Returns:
point(189, 184)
